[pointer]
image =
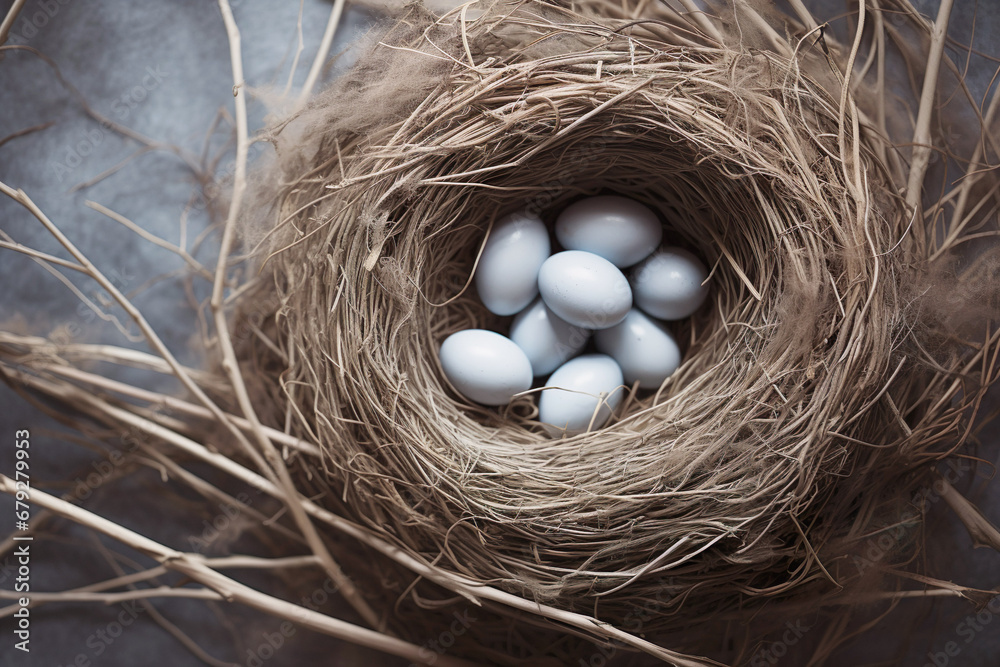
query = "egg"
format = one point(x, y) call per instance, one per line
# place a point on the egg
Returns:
point(582, 392)
point(507, 274)
point(668, 285)
point(484, 366)
point(619, 229)
point(584, 289)
point(643, 348)
point(546, 338)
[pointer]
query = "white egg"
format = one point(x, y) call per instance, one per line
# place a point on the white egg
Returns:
point(584, 289)
point(669, 285)
point(643, 348)
point(484, 366)
point(582, 392)
point(619, 229)
point(546, 338)
point(507, 275)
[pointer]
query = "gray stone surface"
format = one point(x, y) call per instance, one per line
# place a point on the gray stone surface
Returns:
point(162, 70)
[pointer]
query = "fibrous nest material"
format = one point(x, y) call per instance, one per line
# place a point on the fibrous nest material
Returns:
point(817, 384)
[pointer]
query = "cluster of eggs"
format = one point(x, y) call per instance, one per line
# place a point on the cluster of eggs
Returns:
point(560, 300)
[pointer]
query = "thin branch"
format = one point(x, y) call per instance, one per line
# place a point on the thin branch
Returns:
point(320, 59)
point(152, 238)
point(922, 146)
point(298, 51)
point(230, 365)
point(150, 334)
point(26, 131)
point(37, 597)
point(193, 566)
point(39, 255)
point(8, 21)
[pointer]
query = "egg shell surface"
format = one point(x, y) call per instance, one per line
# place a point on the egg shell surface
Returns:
point(619, 229)
point(485, 366)
point(584, 289)
point(668, 284)
point(578, 388)
point(547, 339)
point(507, 274)
point(644, 349)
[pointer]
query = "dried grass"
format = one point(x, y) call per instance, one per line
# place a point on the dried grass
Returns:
point(818, 387)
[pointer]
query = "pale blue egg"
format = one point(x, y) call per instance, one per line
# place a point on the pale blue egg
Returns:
point(546, 338)
point(484, 366)
point(584, 289)
point(507, 274)
point(643, 347)
point(582, 393)
point(619, 229)
point(668, 285)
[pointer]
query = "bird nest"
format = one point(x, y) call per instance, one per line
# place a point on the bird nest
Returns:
point(813, 384)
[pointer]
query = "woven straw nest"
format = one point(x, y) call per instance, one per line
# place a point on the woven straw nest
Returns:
point(816, 383)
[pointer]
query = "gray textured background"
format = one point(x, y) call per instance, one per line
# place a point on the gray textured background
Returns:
point(162, 69)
